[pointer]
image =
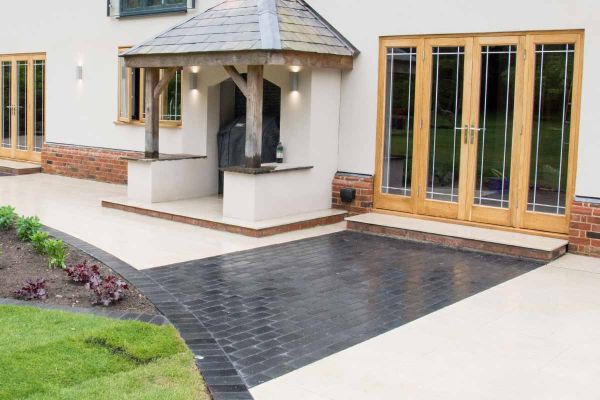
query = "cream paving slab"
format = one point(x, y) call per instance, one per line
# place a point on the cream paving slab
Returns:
point(74, 207)
point(211, 209)
point(12, 164)
point(534, 337)
point(461, 231)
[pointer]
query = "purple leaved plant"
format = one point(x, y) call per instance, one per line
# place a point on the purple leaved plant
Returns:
point(108, 291)
point(33, 290)
point(83, 273)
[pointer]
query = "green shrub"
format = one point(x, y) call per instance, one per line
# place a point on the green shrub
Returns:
point(7, 217)
point(26, 227)
point(56, 252)
point(38, 239)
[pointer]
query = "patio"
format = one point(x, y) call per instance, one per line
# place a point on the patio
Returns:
point(348, 315)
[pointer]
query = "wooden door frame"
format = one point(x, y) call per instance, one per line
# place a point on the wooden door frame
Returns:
point(14, 153)
point(520, 218)
point(481, 213)
point(426, 206)
point(537, 220)
point(385, 200)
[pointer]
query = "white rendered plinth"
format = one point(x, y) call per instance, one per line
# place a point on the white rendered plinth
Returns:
point(260, 196)
point(167, 179)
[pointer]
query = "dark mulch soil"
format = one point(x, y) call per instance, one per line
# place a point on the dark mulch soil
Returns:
point(19, 262)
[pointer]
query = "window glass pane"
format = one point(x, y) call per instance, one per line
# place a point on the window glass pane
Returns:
point(6, 104)
point(399, 126)
point(124, 100)
point(496, 111)
point(137, 103)
point(22, 143)
point(39, 76)
point(445, 121)
point(553, 93)
point(171, 99)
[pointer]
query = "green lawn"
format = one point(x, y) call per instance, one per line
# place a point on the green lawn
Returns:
point(58, 355)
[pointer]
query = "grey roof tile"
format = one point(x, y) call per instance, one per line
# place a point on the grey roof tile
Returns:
point(238, 25)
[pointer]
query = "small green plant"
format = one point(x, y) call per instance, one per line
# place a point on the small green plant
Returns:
point(56, 252)
point(26, 227)
point(38, 239)
point(7, 217)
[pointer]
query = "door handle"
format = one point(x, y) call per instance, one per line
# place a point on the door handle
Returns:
point(473, 130)
point(466, 129)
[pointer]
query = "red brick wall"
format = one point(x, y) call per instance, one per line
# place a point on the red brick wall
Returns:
point(363, 184)
point(103, 165)
point(584, 233)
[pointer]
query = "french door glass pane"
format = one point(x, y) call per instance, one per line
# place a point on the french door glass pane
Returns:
point(400, 105)
point(496, 110)
point(22, 105)
point(39, 75)
point(551, 128)
point(6, 104)
point(445, 120)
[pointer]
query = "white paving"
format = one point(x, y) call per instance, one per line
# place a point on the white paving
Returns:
point(534, 337)
point(74, 207)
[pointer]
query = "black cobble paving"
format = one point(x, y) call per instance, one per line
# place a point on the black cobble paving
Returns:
point(275, 309)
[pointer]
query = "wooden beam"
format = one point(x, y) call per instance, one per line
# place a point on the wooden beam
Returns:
point(152, 76)
point(257, 57)
point(168, 74)
point(254, 116)
point(237, 79)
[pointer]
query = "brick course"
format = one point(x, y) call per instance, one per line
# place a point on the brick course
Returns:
point(584, 229)
point(102, 165)
point(363, 184)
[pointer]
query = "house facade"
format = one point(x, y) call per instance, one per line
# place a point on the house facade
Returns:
point(476, 112)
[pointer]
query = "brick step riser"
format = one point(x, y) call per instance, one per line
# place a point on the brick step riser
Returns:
point(458, 243)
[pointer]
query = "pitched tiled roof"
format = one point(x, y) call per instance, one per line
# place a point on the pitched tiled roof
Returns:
point(241, 25)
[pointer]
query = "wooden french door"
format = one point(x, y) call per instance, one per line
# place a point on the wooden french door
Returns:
point(474, 128)
point(22, 106)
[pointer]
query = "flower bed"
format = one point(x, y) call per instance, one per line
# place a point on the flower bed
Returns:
point(20, 262)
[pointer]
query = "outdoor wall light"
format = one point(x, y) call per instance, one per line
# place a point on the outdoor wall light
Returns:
point(79, 72)
point(294, 81)
point(193, 80)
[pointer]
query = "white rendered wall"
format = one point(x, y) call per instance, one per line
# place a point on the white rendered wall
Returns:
point(364, 22)
point(73, 32)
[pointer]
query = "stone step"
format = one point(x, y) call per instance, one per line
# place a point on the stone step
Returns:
point(460, 236)
point(10, 167)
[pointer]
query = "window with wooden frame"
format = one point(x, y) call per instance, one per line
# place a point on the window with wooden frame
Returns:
point(131, 96)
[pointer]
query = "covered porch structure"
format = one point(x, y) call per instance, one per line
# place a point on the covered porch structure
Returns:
point(246, 42)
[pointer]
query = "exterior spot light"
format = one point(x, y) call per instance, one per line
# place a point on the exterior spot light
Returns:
point(294, 81)
point(79, 72)
point(193, 80)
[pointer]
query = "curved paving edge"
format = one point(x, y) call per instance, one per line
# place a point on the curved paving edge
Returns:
point(217, 370)
point(122, 315)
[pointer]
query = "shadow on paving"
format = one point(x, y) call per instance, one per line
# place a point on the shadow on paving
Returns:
point(275, 309)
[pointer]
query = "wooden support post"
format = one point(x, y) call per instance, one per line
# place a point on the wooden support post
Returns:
point(152, 112)
point(254, 116)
